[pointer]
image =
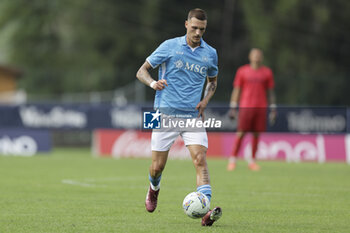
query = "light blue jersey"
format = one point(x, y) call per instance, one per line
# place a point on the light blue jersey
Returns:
point(185, 69)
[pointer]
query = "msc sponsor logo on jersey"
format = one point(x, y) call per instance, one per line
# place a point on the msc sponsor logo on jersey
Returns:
point(191, 67)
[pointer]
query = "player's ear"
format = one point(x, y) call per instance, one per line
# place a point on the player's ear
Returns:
point(186, 23)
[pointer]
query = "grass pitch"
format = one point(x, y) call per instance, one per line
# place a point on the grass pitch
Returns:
point(70, 191)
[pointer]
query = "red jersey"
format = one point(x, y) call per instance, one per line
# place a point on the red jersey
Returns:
point(254, 85)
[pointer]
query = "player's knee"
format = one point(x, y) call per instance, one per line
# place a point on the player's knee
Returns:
point(240, 134)
point(200, 159)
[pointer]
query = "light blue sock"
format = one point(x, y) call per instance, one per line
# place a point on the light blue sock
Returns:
point(155, 181)
point(205, 189)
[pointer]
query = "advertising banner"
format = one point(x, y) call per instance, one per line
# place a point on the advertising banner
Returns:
point(130, 143)
point(20, 142)
point(70, 116)
point(327, 120)
point(290, 147)
point(273, 146)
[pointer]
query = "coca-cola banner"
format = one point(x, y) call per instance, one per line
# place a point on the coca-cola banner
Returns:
point(273, 146)
point(130, 143)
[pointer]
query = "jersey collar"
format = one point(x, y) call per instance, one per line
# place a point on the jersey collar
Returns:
point(184, 42)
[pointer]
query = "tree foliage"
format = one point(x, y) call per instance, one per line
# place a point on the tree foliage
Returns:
point(84, 45)
point(307, 45)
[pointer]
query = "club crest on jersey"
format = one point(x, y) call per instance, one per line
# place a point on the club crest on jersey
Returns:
point(179, 64)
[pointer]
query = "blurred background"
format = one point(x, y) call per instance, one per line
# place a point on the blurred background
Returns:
point(61, 58)
point(63, 47)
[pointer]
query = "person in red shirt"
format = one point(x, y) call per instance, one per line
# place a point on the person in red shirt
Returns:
point(252, 84)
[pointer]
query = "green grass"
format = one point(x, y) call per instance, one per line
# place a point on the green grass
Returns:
point(70, 191)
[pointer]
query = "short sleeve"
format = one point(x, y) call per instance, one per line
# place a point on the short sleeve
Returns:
point(160, 55)
point(238, 81)
point(270, 79)
point(213, 69)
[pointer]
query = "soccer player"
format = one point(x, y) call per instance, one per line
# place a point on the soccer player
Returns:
point(185, 63)
point(252, 84)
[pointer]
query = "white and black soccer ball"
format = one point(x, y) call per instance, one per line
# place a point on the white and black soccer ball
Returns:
point(196, 205)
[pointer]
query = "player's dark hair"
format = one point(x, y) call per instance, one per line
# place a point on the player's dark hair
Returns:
point(197, 13)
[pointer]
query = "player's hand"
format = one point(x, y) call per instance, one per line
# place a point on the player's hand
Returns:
point(201, 106)
point(272, 116)
point(160, 85)
point(232, 113)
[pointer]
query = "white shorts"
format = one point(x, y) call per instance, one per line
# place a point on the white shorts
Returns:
point(162, 141)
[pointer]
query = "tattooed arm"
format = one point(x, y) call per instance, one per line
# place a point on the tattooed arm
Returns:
point(209, 92)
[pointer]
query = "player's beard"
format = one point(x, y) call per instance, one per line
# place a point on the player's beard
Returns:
point(196, 40)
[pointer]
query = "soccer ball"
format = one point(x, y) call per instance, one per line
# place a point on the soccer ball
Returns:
point(196, 205)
